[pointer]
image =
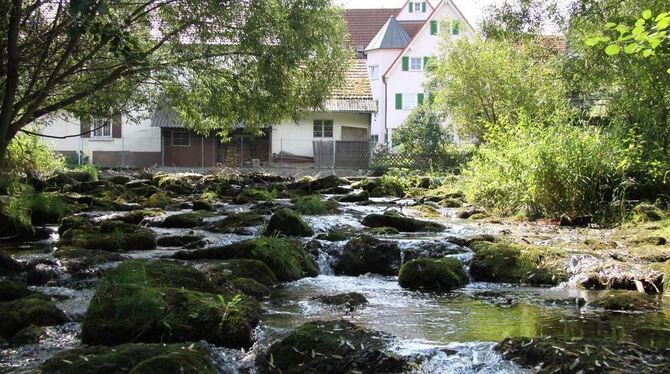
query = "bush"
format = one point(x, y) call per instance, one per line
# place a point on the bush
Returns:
point(29, 153)
point(314, 205)
point(541, 170)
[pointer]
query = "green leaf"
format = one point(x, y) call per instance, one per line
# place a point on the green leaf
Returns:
point(646, 14)
point(622, 29)
point(668, 70)
point(610, 25)
point(661, 16)
point(631, 49)
point(592, 41)
point(647, 52)
point(637, 30)
point(640, 22)
point(612, 50)
point(663, 23)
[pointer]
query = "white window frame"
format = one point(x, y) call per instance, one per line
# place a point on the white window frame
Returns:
point(102, 128)
point(172, 137)
point(374, 72)
point(410, 101)
point(322, 123)
point(411, 63)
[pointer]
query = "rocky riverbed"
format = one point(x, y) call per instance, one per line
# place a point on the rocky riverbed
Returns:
point(260, 274)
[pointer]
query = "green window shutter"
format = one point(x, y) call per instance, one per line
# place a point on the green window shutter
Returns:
point(423, 7)
point(433, 27)
point(411, 7)
point(419, 98)
point(398, 101)
point(405, 64)
point(426, 59)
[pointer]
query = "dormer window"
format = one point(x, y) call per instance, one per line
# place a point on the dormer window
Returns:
point(418, 7)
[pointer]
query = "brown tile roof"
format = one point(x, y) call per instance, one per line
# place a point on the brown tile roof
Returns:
point(363, 24)
point(411, 28)
point(355, 95)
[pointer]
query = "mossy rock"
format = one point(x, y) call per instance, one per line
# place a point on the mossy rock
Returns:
point(74, 222)
point(330, 181)
point(30, 310)
point(355, 197)
point(514, 263)
point(115, 241)
point(314, 205)
point(400, 223)
point(666, 277)
point(133, 358)
point(14, 224)
point(8, 265)
point(241, 268)
point(289, 223)
point(10, 290)
point(163, 301)
point(425, 210)
point(287, 258)
point(366, 254)
point(236, 221)
point(249, 287)
point(647, 213)
point(350, 300)
point(252, 195)
point(451, 203)
point(202, 205)
point(137, 216)
point(336, 235)
point(625, 301)
point(77, 259)
point(330, 347)
point(177, 240)
point(29, 335)
point(383, 231)
point(184, 220)
point(110, 226)
point(157, 200)
point(438, 275)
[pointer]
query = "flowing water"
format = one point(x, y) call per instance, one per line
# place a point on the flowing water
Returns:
point(451, 333)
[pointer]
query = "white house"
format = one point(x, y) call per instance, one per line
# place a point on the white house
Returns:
point(398, 54)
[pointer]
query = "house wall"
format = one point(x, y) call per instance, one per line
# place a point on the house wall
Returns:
point(406, 15)
point(382, 58)
point(424, 44)
point(201, 152)
point(296, 138)
point(138, 146)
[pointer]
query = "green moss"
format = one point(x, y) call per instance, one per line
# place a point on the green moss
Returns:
point(287, 258)
point(241, 268)
point(443, 274)
point(355, 197)
point(451, 203)
point(401, 223)
point(249, 287)
point(336, 235)
point(383, 231)
point(289, 223)
point(387, 186)
point(115, 241)
point(77, 259)
point(505, 262)
point(647, 213)
point(330, 347)
point(177, 240)
point(314, 205)
point(625, 301)
point(110, 226)
point(185, 220)
point(74, 222)
point(15, 218)
point(30, 310)
point(10, 290)
point(250, 195)
point(133, 358)
point(137, 216)
point(158, 200)
point(160, 273)
point(236, 221)
point(427, 211)
point(46, 207)
point(351, 299)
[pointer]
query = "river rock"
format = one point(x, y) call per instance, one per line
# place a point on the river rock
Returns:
point(78, 259)
point(433, 249)
point(349, 300)
point(184, 220)
point(241, 268)
point(287, 258)
point(33, 309)
point(202, 205)
point(469, 212)
point(624, 301)
point(192, 358)
point(647, 213)
point(249, 287)
point(164, 301)
point(236, 221)
point(438, 275)
point(366, 254)
point(289, 223)
point(514, 263)
point(8, 265)
point(401, 223)
point(177, 240)
point(330, 347)
point(10, 290)
point(355, 197)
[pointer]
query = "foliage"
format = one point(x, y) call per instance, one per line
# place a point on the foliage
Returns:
point(106, 57)
point(515, 20)
point(542, 170)
point(477, 83)
point(314, 205)
point(90, 170)
point(28, 153)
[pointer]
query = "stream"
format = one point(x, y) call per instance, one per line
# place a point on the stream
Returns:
point(452, 332)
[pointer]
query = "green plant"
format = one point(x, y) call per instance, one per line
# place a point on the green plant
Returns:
point(30, 154)
point(314, 205)
point(228, 306)
point(90, 170)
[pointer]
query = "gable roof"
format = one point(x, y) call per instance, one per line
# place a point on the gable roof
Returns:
point(363, 24)
point(355, 95)
point(391, 36)
point(423, 26)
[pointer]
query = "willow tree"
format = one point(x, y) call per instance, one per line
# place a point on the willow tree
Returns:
point(217, 62)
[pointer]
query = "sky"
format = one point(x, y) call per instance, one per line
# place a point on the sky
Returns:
point(472, 9)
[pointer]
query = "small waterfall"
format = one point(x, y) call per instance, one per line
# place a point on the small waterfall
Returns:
point(324, 260)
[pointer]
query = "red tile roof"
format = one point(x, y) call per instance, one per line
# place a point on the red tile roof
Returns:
point(364, 24)
point(411, 27)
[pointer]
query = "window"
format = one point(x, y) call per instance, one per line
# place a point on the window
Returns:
point(374, 72)
point(102, 128)
point(323, 128)
point(181, 139)
point(409, 101)
point(417, 6)
point(416, 64)
point(455, 27)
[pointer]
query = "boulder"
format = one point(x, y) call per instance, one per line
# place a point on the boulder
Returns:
point(647, 213)
point(252, 195)
point(236, 221)
point(350, 300)
point(137, 216)
point(10, 290)
point(355, 197)
point(289, 223)
point(115, 241)
point(157, 200)
point(401, 223)
point(514, 263)
point(330, 181)
point(241, 268)
point(625, 301)
point(74, 222)
point(29, 335)
point(35, 310)
point(330, 347)
point(429, 274)
point(8, 265)
point(249, 287)
point(202, 205)
point(183, 221)
point(467, 213)
point(287, 258)
point(314, 205)
point(133, 358)
point(78, 259)
point(163, 301)
point(177, 240)
point(434, 249)
point(119, 179)
point(366, 254)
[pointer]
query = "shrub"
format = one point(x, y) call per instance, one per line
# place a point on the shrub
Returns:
point(314, 205)
point(29, 153)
